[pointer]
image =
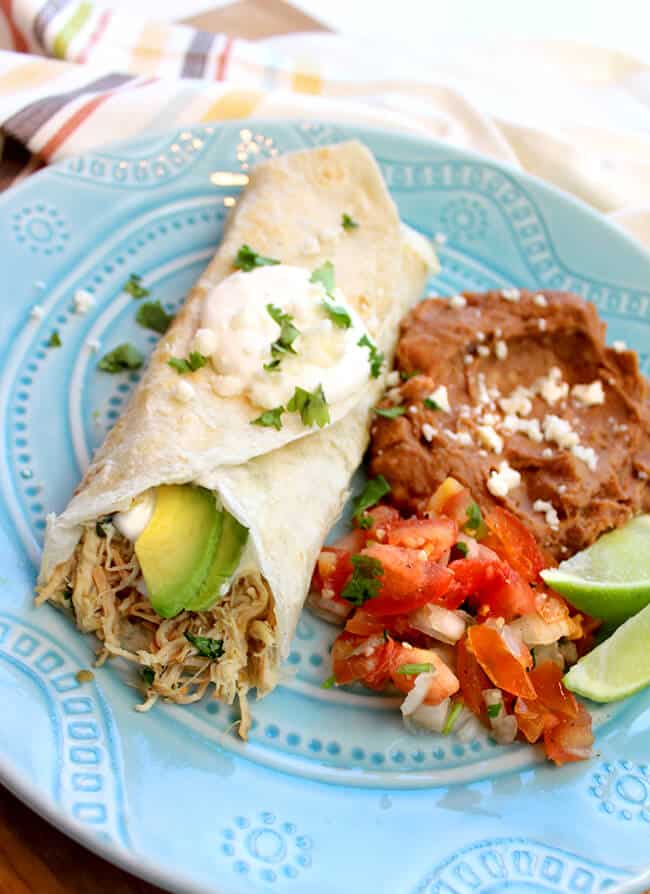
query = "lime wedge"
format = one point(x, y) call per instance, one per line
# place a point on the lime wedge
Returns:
point(617, 667)
point(611, 579)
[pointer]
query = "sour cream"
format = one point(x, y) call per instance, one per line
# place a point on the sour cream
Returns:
point(235, 311)
point(132, 522)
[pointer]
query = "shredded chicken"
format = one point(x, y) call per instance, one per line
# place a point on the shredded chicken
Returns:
point(98, 585)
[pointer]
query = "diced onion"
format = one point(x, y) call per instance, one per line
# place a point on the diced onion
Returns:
point(369, 645)
point(513, 640)
point(417, 695)
point(505, 729)
point(431, 717)
point(549, 653)
point(569, 652)
point(329, 609)
point(467, 726)
point(535, 631)
point(439, 623)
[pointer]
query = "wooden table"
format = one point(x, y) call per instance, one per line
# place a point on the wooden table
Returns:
point(34, 857)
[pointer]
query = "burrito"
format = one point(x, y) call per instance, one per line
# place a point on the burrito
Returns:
point(189, 545)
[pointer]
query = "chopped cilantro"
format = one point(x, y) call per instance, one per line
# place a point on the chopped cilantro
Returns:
point(494, 710)
point(348, 223)
point(405, 376)
point(431, 404)
point(375, 357)
point(390, 412)
point(312, 406)
point(288, 334)
point(247, 259)
point(325, 276)
point(122, 357)
point(205, 646)
point(54, 341)
point(338, 315)
point(182, 365)
point(329, 683)
point(364, 583)
point(462, 548)
point(374, 490)
point(148, 675)
point(270, 419)
point(452, 717)
point(415, 669)
point(475, 524)
point(99, 526)
point(133, 287)
point(152, 315)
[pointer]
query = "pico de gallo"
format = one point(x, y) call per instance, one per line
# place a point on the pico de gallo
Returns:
point(449, 609)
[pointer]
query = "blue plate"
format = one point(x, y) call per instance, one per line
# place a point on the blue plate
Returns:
point(331, 794)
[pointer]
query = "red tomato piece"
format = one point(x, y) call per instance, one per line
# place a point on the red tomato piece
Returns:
point(547, 680)
point(333, 569)
point(473, 680)
point(408, 581)
point(434, 535)
point(495, 585)
point(363, 624)
point(533, 719)
point(570, 740)
point(511, 598)
point(443, 684)
point(361, 659)
point(510, 538)
point(352, 542)
point(506, 670)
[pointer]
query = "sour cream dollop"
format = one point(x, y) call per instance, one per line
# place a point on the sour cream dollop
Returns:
point(132, 522)
point(236, 312)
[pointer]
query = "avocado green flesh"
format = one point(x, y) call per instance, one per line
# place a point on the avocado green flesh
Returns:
point(225, 562)
point(177, 548)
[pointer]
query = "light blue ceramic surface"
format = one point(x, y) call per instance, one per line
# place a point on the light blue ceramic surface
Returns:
point(331, 795)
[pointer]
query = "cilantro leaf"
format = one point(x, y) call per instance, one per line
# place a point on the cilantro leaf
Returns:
point(431, 404)
point(325, 276)
point(348, 223)
point(312, 406)
point(405, 376)
point(133, 287)
point(475, 524)
point(338, 315)
point(372, 493)
point(364, 583)
point(206, 646)
point(54, 341)
point(247, 259)
point(494, 710)
point(375, 357)
point(415, 669)
point(452, 717)
point(152, 315)
point(462, 548)
point(270, 419)
point(148, 675)
point(390, 412)
point(194, 360)
point(329, 682)
point(284, 343)
point(124, 356)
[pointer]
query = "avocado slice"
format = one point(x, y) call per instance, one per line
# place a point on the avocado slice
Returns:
point(226, 559)
point(177, 548)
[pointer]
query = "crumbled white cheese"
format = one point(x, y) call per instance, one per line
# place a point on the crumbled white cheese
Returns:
point(440, 397)
point(501, 350)
point(93, 344)
point(457, 301)
point(467, 359)
point(586, 454)
point(183, 391)
point(540, 300)
point(511, 294)
point(37, 312)
point(559, 430)
point(483, 393)
point(641, 475)
point(561, 488)
point(413, 409)
point(428, 432)
point(83, 301)
point(547, 453)
point(551, 387)
point(465, 440)
point(528, 427)
point(483, 350)
point(440, 238)
point(518, 402)
point(490, 438)
point(205, 342)
point(619, 346)
point(503, 480)
point(480, 336)
point(465, 411)
point(392, 378)
point(541, 325)
point(311, 246)
point(550, 513)
point(589, 395)
point(498, 332)
point(489, 419)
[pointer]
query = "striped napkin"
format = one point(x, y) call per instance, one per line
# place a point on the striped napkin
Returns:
point(76, 74)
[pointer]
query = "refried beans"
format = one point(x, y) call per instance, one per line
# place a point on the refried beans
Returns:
point(515, 394)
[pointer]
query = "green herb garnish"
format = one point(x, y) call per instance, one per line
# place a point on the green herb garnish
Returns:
point(338, 315)
point(152, 315)
point(372, 493)
point(452, 717)
point(329, 683)
point(189, 364)
point(133, 287)
point(288, 334)
point(494, 710)
point(54, 341)
point(122, 357)
point(348, 223)
point(148, 675)
point(325, 276)
point(375, 357)
point(248, 260)
point(364, 583)
point(431, 404)
point(99, 526)
point(390, 412)
point(312, 406)
point(270, 419)
point(475, 524)
point(404, 376)
point(462, 548)
point(205, 646)
point(415, 669)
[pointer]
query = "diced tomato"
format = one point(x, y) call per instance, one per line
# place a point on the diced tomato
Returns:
point(506, 670)
point(511, 598)
point(547, 680)
point(362, 659)
point(456, 507)
point(494, 585)
point(533, 719)
point(473, 680)
point(476, 577)
point(363, 624)
point(570, 740)
point(442, 495)
point(352, 542)
point(443, 683)
point(514, 543)
point(333, 569)
point(408, 581)
point(434, 535)
point(382, 518)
